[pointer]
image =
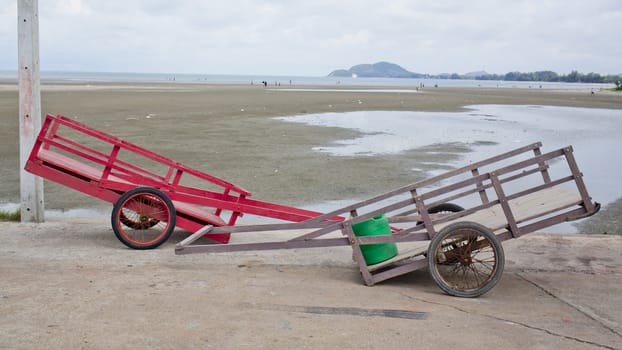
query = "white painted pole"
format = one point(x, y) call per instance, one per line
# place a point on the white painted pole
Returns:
point(31, 187)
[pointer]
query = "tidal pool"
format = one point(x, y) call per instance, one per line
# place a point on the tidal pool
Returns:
point(488, 130)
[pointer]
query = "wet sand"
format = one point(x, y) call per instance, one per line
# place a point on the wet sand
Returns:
point(228, 131)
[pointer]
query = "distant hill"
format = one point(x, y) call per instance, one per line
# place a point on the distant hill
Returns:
point(376, 70)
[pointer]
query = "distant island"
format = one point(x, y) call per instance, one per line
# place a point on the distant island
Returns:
point(392, 70)
point(376, 70)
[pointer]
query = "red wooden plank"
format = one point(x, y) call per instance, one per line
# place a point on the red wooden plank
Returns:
point(128, 146)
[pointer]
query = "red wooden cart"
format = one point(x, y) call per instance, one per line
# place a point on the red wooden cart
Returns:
point(503, 197)
point(151, 199)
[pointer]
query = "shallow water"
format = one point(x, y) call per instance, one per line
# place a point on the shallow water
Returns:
point(406, 91)
point(489, 130)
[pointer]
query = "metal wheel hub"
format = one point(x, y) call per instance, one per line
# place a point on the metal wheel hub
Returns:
point(466, 261)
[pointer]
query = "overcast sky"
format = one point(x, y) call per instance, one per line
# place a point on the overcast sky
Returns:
point(312, 38)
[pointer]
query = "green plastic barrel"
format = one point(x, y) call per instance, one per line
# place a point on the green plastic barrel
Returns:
point(377, 226)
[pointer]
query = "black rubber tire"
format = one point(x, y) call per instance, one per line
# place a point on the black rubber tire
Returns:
point(445, 208)
point(143, 205)
point(458, 252)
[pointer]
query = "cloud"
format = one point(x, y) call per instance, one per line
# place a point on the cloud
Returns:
point(315, 37)
point(74, 7)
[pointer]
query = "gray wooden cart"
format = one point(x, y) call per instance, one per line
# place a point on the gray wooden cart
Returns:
point(503, 197)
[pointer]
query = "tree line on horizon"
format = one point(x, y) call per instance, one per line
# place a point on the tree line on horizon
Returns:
point(385, 69)
point(545, 76)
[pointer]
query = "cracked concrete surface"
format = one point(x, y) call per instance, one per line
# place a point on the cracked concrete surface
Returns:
point(70, 284)
point(586, 310)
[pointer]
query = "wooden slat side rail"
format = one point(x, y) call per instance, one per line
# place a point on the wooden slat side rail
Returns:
point(479, 186)
point(578, 178)
point(478, 165)
point(105, 160)
point(545, 173)
point(500, 172)
point(82, 170)
point(527, 162)
point(97, 134)
point(484, 187)
point(528, 207)
point(524, 208)
point(116, 182)
point(56, 139)
point(505, 206)
point(141, 152)
point(76, 167)
point(49, 129)
point(110, 160)
point(430, 181)
point(476, 180)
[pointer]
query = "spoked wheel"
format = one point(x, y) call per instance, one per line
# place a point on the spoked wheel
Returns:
point(466, 259)
point(136, 224)
point(143, 218)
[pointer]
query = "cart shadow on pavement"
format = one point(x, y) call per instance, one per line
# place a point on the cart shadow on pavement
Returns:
point(419, 280)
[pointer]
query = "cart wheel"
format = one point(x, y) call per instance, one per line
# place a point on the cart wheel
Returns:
point(466, 259)
point(445, 208)
point(143, 218)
